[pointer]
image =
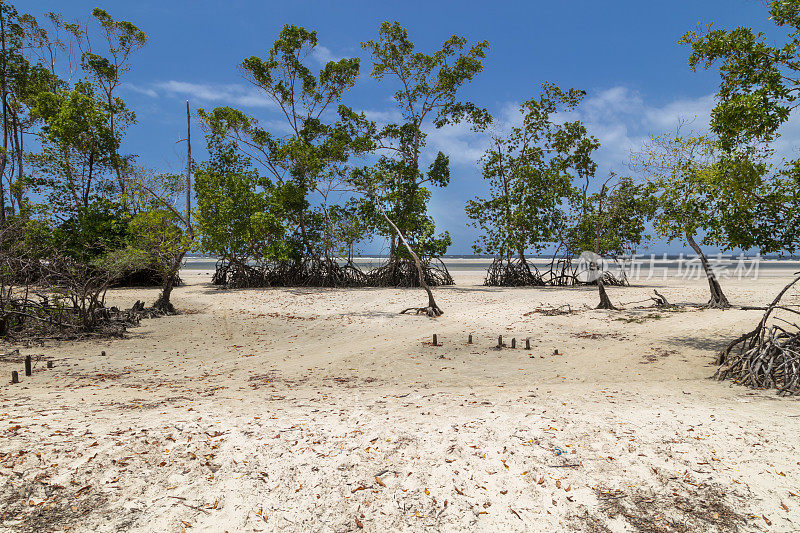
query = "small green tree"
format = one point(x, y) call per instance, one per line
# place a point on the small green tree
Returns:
point(682, 171)
point(160, 229)
point(157, 236)
point(239, 212)
point(613, 224)
point(298, 163)
point(759, 89)
point(119, 40)
point(427, 94)
point(531, 173)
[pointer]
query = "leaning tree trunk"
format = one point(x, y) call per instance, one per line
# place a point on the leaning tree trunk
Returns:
point(432, 310)
point(718, 299)
point(163, 303)
point(605, 301)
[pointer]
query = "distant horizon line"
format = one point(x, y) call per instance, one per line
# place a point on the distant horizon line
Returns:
point(655, 255)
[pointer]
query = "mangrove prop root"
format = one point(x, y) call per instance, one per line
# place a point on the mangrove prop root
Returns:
point(768, 356)
point(431, 311)
point(514, 272)
point(397, 272)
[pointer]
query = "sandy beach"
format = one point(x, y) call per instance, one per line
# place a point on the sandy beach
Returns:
point(325, 410)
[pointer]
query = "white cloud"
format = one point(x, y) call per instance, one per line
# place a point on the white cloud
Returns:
point(619, 117)
point(383, 118)
point(236, 94)
point(623, 120)
point(222, 94)
point(459, 142)
point(147, 91)
point(322, 55)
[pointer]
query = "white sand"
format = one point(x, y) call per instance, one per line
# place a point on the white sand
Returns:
point(324, 410)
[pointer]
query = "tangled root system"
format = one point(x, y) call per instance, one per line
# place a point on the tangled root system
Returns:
point(398, 272)
point(769, 355)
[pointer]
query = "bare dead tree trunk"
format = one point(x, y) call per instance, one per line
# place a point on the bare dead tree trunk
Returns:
point(18, 192)
point(432, 310)
point(163, 303)
point(718, 299)
point(120, 181)
point(188, 169)
point(4, 157)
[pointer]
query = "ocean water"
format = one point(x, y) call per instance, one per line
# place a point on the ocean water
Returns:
point(641, 267)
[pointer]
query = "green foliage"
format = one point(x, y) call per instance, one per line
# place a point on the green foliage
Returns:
point(758, 80)
point(239, 213)
point(681, 172)
point(120, 39)
point(348, 225)
point(615, 222)
point(120, 262)
point(77, 149)
point(428, 86)
point(99, 228)
point(534, 173)
point(759, 85)
point(302, 166)
point(158, 235)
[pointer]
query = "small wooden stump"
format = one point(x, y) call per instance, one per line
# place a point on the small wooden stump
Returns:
point(527, 344)
point(514, 342)
point(28, 368)
point(469, 339)
point(499, 341)
point(49, 364)
point(14, 376)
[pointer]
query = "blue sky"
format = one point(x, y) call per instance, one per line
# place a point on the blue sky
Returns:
point(623, 53)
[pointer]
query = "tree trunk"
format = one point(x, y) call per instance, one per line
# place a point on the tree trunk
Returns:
point(189, 170)
point(525, 262)
point(112, 125)
point(163, 303)
point(432, 310)
point(4, 157)
point(19, 191)
point(605, 301)
point(718, 299)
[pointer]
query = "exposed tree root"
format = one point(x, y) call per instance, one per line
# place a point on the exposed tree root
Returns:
point(551, 311)
point(718, 303)
point(514, 272)
point(768, 356)
point(432, 312)
point(660, 299)
point(398, 272)
point(504, 272)
point(402, 272)
point(605, 301)
point(311, 273)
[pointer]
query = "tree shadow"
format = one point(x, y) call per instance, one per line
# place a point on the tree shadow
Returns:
point(707, 343)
